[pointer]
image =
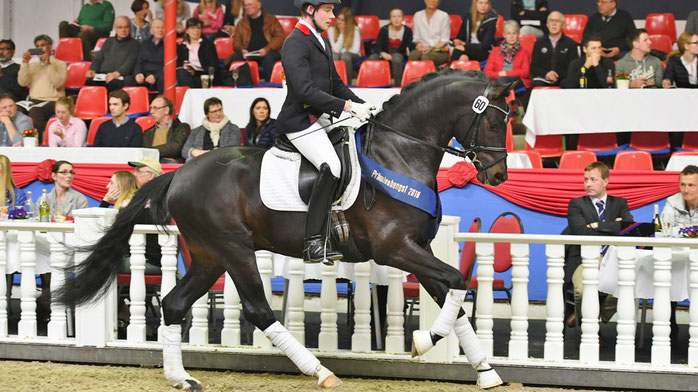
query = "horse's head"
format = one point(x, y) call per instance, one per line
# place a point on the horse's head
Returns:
point(483, 133)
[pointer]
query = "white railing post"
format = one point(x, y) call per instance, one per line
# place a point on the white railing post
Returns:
point(693, 310)
point(95, 323)
point(589, 347)
point(327, 339)
point(518, 342)
point(27, 248)
point(198, 333)
point(395, 316)
point(485, 299)
point(361, 339)
point(57, 324)
point(266, 269)
point(168, 244)
point(4, 301)
point(553, 349)
point(230, 335)
point(625, 341)
point(295, 299)
point(135, 332)
point(661, 310)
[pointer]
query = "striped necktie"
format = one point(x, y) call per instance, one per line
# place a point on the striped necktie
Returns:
point(602, 211)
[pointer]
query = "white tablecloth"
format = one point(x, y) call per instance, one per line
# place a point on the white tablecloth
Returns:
point(79, 154)
point(644, 270)
point(554, 112)
point(237, 101)
point(515, 160)
point(678, 162)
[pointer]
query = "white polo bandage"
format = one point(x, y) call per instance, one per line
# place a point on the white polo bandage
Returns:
point(172, 355)
point(468, 340)
point(449, 311)
point(294, 350)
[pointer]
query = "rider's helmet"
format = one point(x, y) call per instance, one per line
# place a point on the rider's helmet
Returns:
point(300, 4)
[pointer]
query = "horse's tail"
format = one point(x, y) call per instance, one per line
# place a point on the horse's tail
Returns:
point(91, 279)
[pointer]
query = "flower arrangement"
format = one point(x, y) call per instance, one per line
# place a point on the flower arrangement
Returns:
point(622, 76)
point(30, 132)
point(689, 232)
point(17, 213)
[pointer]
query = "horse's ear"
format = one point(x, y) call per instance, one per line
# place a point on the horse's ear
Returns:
point(502, 90)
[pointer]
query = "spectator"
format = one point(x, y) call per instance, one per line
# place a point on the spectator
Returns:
point(120, 189)
point(67, 130)
point(168, 135)
point(643, 68)
point(260, 131)
point(183, 13)
point(233, 15)
point(552, 54)
point(682, 64)
point(692, 22)
point(145, 170)
point(531, 15)
point(195, 56)
point(392, 44)
point(592, 66)
point(432, 30)
point(46, 79)
point(261, 32)
point(12, 197)
point(148, 69)
point(63, 199)
point(9, 70)
point(216, 131)
point(680, 208)
point(210, 13)
point(12, 123)
point(140, 24)
point(509, 61)
point(121, 131)
point(116, 58)
point(476, 35)
point(345, 40)
point(94, 22)
point(613, 25)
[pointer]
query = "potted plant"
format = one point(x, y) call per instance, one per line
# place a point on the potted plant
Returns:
point(30, 138)
point(622, 80)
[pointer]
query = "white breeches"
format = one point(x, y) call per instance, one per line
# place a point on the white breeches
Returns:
point(314, 144)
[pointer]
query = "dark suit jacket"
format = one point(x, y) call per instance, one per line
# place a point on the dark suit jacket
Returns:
point(207, 54)
point(545, 58)
point(314, 87)
point(581, 212)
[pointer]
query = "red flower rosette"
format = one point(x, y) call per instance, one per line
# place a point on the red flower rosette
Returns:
point(44, 170)
point(461, 173)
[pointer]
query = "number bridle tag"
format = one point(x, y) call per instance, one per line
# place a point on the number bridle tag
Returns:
point(480, 104)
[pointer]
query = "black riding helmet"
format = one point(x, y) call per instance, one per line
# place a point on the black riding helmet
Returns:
point(300, 4)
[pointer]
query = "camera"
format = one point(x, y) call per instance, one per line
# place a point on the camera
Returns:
point(36, 52)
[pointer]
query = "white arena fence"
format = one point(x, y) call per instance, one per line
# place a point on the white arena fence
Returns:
point(96, 324)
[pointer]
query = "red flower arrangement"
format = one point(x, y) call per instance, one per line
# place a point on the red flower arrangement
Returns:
point(30, 132)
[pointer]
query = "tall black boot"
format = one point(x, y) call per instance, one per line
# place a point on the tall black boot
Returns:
point(319, 206)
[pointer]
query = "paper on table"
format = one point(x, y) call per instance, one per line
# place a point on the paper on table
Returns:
point(530, 22)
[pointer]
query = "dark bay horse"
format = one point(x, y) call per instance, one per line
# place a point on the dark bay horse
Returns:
point(216, 203)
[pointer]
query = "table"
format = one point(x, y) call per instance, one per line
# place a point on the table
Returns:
point(575, 111)
point(678, 162)
point(79, 154)
point(644, 270)
point(237, 101)
point(515, 160)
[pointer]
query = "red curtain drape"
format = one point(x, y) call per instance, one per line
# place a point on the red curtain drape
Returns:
point(550, 190)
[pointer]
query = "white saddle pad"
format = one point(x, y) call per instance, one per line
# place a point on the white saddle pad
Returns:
point(278, 183)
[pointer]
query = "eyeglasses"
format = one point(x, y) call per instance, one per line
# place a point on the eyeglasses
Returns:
point(693, 43)
point(7, 49)
point(216, 111)
point(157, 107)
point(66, 172)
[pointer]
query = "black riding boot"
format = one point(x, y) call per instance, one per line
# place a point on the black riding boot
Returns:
point(316, 222)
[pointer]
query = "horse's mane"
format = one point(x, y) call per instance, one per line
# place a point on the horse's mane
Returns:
point(428, 80)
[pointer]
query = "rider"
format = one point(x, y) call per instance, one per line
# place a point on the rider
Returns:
point(315, 95)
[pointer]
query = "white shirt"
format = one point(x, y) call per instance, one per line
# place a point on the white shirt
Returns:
point(315, 33)
point(691, 68)
point(338, 46)
point(430, 33)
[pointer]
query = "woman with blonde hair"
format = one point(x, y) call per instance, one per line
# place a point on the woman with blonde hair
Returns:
point(210, 13)
point(345, 40)
point(67, 130)
point(682, 64)
point(476, 35)
point(12, 197)
point(120, 189)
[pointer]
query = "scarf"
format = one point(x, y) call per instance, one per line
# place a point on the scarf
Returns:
point(215, 129)
point(509, 53)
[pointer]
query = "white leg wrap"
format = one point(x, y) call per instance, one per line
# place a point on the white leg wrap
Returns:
point(447, 317)
point(172, 355)
point(468, 340)
point(294, 350)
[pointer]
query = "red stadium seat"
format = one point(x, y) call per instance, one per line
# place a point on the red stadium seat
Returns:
point(277, 73)
point(374, 73)
point(48, 124)
point(94, 125)
point(661, 42)
point(288, 24)
point(574, 25)
point(576, 36)
point(535, 158)
point(100, 42)
point(415, 69)
point(633, 160)
point(527, 42)
point(456, 21)
point(408, 20)
point(341, 68)
point(499, 27)
point(661, 24)
point(77, 74)
point(549, 146)
point(369, 26)
point(465, 65)
point(139, 100)
point(600, 143)
point(224, 47)
point(179, 92)
point(652, 142)
point(69, 50)
point(145, 122)
point(91, 102)
point(690, 141)
point(254, 69)
point(576, 159)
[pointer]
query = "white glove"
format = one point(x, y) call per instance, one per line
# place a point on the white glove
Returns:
point(362, 111)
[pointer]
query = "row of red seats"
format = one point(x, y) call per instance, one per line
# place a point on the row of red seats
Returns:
point(624, 160)
point(92, 101)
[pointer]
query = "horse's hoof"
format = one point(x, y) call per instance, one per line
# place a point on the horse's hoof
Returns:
point(487, 379)
point(191, 385)
point(330, 381)
point(421, 342)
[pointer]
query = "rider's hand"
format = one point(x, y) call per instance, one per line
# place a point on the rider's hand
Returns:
point(362, 111)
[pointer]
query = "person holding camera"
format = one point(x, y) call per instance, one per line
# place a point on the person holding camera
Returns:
point(46, 81)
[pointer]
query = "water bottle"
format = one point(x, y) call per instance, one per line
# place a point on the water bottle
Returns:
point(29, 206)
point(44, 210)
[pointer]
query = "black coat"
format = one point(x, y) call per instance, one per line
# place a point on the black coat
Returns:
point(265, 135)
point(151, 58)
point(382, 41)
point(614, 33)
point(542, 16)
point(598, 74)
point(314, 87)
point(485, 33)
point(9, 84)
point(677, 73)
point(207, 54)
point(545, 59)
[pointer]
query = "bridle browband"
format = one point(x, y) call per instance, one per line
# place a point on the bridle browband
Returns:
point(472, 149)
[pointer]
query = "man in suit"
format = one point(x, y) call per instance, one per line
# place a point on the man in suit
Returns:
point(316, 93)
point(597, 213)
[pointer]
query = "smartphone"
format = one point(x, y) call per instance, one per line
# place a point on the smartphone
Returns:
point(36, 52)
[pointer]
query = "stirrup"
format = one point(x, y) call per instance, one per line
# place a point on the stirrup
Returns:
point(315, 251)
